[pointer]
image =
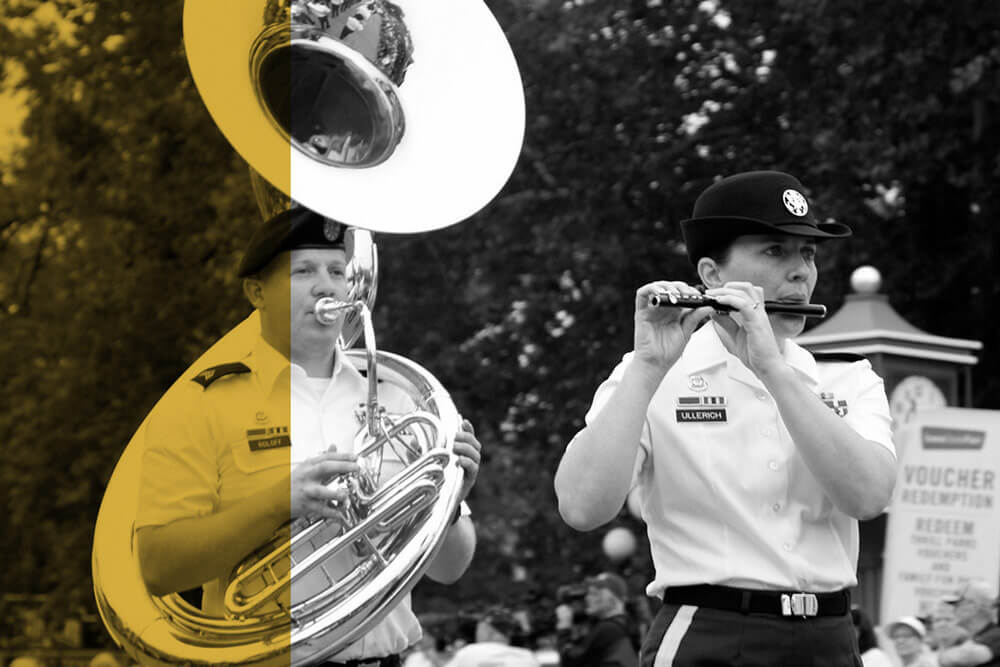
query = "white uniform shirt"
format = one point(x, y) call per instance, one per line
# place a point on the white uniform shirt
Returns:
point(725, 495)
point(208, 449)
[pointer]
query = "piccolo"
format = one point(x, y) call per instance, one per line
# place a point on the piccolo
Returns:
point(663, 300)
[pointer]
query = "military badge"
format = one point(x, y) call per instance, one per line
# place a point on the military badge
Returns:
point(701, 409)
point(261, 439)
point(697, 383)
point(838, 406)
point(795, 202)
point(332, 229)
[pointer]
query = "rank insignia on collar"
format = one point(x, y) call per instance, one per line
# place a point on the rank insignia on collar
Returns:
point(210, 375)
point(838, 406)
point(701, 409)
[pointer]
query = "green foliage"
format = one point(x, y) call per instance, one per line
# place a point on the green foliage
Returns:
point(124, 216)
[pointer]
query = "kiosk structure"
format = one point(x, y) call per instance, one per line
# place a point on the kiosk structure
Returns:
point(922, 373)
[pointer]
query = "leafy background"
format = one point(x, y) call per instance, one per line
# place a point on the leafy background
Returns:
point(123, 213)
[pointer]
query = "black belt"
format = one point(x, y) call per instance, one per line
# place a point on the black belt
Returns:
point(388, 661)
point(746, 601)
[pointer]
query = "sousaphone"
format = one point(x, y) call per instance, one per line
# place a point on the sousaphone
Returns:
point(402, 116)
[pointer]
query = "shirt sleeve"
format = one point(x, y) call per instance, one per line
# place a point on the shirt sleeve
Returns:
point(601, 398)
point(179, 476)
point(868, 414)
point(460, 659)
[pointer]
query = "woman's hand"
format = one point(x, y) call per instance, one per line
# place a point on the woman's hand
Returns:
point(661, 334)
point(753, 339)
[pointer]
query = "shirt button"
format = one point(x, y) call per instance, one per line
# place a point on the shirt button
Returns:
point(761, 397)
point(776, 507)
point(773, 465)
point(766, 431)
point(786, 546)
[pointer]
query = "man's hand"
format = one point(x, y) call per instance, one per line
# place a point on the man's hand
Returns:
point(948, 634)
point(661, 334)
point(564, 617)
point(468, 449)
point(310, 485)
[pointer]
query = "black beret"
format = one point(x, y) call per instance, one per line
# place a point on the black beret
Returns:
point(298, 227)
point(755, 202)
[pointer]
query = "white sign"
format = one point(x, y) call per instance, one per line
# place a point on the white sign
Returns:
point(944, 521)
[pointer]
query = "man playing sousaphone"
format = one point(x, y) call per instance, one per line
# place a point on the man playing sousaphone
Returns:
point(277, 422)
point(215, 480)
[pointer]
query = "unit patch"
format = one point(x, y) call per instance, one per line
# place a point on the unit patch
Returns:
point(840, 407)
point(701, 409)
point(268, 438)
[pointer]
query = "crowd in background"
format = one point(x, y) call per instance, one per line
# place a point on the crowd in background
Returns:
point(959, 631)
point(600, 622)
point(595, 622)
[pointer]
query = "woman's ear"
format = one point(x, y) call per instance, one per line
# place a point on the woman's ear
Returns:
point(254, 291)
point(709, 273)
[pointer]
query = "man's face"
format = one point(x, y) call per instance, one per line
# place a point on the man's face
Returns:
point(967, 612)
point(943, 616)
point(292, 285)
point(784, 266)
point(597, 600)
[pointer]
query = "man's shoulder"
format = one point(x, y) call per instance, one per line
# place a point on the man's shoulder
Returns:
point(483, 652)
point(612, 627)
point(838, 357)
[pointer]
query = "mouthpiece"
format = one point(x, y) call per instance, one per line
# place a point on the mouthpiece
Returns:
point(328, 310)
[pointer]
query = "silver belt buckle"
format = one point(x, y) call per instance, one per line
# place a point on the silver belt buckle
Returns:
point(799, 604)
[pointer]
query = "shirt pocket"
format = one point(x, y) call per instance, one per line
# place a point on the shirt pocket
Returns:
point(251, 471)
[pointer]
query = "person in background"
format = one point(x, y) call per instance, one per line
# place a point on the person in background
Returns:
point(104, 659)
point(907, 635)
point(27, 661)
point(975, 609)
point(945, 631)
point(492, 648)
point(609, 640)
point(426, 653)
point(871, 653)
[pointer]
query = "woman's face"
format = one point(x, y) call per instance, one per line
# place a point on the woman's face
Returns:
point(783, 266)
point(906, 641)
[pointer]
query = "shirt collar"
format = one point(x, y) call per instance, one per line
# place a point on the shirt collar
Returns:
point(705, 350)
point(268, 363)
point(803, 362)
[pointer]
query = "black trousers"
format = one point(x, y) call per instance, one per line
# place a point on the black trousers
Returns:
point(689, 636)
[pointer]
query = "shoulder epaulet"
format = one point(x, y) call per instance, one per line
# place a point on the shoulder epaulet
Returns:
point(828, 357)
point(210, 375)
